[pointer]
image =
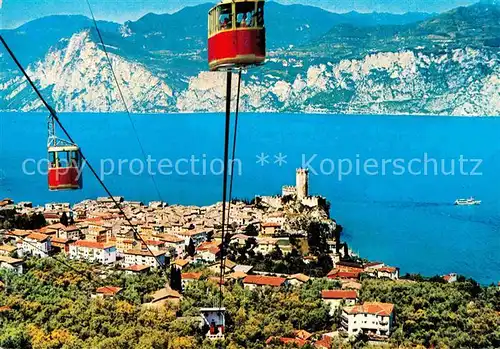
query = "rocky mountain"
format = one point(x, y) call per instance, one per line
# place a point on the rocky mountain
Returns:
point(445, 64)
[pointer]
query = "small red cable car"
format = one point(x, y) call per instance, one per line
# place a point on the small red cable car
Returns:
point(65, 168)
point(65, 162)
point(236, 34)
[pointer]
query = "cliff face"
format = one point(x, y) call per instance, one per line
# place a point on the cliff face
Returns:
point(446, 65)
point(76, 77)
point(460, 82)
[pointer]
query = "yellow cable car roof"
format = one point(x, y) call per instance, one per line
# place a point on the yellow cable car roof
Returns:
point(64, 148)
point(225, 2)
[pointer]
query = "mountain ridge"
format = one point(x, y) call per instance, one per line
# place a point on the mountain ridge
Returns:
point(409, 68)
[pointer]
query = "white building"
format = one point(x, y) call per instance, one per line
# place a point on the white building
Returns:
point(187, 278)
point(372, 319)
point(140, 257)
point(336, 298)
point(173, 243)
point(37, 245)
point(388, 272)
point(197, 235)
point(209, 255)
point(92, 251)
point(69, 233)
point(266, 245)
point(13, 264)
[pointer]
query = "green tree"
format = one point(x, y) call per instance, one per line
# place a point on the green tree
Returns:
point(64, 219)
point(251, 230)
point(191, 249)
point(317, 234)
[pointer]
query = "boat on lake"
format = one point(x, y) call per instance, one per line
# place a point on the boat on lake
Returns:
point(467, 202)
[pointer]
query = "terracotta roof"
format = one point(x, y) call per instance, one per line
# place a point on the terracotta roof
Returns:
point(264, 280)
point(300, 277)
point(205, 246)
point(165, 293)
point(137, 267)
point(287, 341)
point(59, 241)
point(10, 260)
point(56, 226)
point(108, 290)
point(388, 269)
point(324, 343)
point(5, 308)
point(71, 228)
point(38, 237)
point(374, 308)
point(338, 294)
point(92, 244)
point(191, 276)
point(181, 262)
point(271, 225)
point(373, 264)
point(192, 232)
point(170, 238)
point(145, 253)
point(302, 334)
point(240, 236)
point(230, 264)
point(154, 243)
point(18, 232)
point(346, 284)
point(213, 250)
point(350, 269)
point(336, 273)
point(7, 248)
point(237, 275)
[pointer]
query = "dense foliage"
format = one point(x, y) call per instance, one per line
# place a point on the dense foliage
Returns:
point(277, 262)
point(442, 315)
point(9, 219)
point(52, 307)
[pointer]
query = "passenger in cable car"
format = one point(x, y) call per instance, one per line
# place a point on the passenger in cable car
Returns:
point(225, 17)
point(243, 22)
point(245, 14)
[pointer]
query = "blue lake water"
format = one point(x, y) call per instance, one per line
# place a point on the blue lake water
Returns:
point(406, 220)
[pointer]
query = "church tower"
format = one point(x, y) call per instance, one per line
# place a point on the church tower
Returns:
point(302, 183)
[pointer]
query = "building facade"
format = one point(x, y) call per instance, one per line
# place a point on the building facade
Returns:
point(337, 298)
point(37, 245)
point(153, 259)
point(373, 319)
point(91, 251)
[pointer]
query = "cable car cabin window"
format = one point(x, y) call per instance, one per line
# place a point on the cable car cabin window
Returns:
point(245, 15)
point(52, 160)
point(63, 159)
point(212, 23)
point(74, 159)
point(225, 17)
point(260, 14)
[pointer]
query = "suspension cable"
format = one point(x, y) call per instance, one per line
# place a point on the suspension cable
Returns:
point(224, 183)
point(56, 118)
point(235, 137)
point(122, 97)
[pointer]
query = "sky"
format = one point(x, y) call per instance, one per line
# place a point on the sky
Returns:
point(16, 12)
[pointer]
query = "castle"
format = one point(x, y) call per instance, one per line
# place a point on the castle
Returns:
point(299, 192)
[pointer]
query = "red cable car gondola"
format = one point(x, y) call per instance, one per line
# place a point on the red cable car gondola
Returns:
point(236, 34)
point(65, 162)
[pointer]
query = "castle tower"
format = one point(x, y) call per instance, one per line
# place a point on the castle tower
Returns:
point(302, 183)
